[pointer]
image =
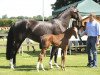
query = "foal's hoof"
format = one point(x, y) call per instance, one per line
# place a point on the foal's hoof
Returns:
point(50, 65)
point(37, 70)
point(56, 65)
point(43, 69)
point(63, 69)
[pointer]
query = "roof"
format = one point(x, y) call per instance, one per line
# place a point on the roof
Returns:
point(84, 7)
point(88, 6)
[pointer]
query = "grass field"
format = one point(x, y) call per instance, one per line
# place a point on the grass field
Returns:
point(26, 64)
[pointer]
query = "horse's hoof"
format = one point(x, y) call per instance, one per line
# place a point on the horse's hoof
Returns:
point(12, 67)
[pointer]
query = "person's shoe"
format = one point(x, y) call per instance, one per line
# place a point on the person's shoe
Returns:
point(95, 66)
point(89, 65)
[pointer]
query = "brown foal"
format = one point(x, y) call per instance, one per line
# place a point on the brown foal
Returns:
point(60, 41)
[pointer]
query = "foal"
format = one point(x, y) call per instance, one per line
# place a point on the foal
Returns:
point(60, 41)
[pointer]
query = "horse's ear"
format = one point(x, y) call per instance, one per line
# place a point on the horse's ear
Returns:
point(75, 5)
point(74, 9)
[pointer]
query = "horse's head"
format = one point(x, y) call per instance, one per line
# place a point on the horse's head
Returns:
point(75, 14)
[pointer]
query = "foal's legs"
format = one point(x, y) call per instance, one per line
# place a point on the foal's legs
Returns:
point(63, 56)
point(40, 59)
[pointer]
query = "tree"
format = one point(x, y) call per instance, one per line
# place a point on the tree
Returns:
point(38, 17)
point(60, 3)
point(98, 1)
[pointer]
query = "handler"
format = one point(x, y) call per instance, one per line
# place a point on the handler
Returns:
point(93, 33)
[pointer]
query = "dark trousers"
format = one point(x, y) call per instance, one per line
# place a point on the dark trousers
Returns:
point(91, 50)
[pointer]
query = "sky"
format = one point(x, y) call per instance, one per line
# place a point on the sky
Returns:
point(30, 8)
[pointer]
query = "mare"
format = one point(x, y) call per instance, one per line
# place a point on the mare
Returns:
point(60, 41)
point(34, 29)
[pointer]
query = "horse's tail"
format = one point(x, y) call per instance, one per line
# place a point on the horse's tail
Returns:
point(10, 41)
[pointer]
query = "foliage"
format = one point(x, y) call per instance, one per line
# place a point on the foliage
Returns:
point(40, 18)
point(3, 31)
point(5, 22)
point(8, 21)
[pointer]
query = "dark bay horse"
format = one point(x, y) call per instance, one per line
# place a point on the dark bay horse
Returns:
point(60, 41)
point(34, 29)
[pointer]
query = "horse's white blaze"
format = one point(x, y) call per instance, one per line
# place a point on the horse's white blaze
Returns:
point(75, 29)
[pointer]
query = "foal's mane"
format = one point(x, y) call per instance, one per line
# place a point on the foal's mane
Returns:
point(68, 30)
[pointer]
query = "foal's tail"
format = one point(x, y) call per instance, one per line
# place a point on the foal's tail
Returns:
point(10, 41)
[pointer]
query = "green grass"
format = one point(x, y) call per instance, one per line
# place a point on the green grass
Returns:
point(26, 64)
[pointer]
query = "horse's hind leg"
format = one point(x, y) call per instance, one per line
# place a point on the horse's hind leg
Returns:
point(54, 52)
point(51, 56)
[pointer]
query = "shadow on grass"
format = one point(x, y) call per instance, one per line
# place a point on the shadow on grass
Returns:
point(76, 66)
point(2, 54)
point(5, 67)
point(22, 68)
point(27, 68)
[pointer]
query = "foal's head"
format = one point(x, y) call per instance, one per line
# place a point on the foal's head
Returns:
point(75, 32)
point(72, 31)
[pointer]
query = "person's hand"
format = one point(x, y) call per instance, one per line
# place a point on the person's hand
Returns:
point(98, 43)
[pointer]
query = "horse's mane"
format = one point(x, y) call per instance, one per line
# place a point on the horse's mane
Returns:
point(33, 22)
point(67, 9)
point(23, 22)
point(63, 12)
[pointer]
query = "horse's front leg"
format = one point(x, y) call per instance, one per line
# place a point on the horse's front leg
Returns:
point(15, 50)
point(11, 64)
point(40, 59)
point(63, 57)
